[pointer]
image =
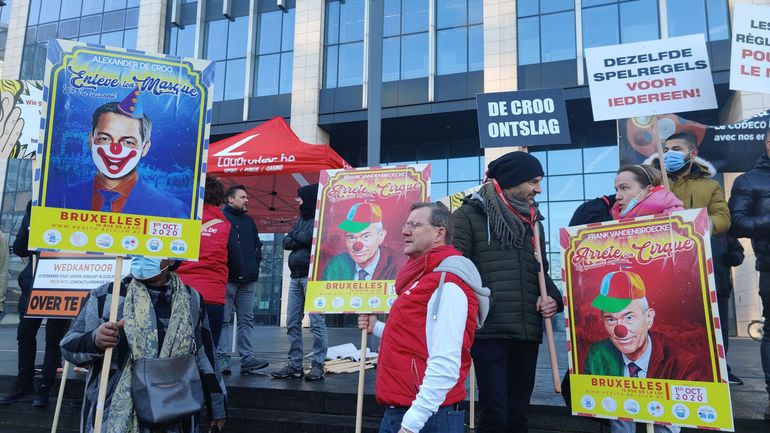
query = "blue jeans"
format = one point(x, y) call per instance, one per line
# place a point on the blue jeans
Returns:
point(294, 314)
point(764, 348)
point(239, 297)
point(445, 420)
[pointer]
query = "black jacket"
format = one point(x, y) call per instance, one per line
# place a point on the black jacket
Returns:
point(244, 236)
point(593, 211)
point(750, 208)
point(298, 241)
point(510, 273)
point(726, 252)
point(20, 245)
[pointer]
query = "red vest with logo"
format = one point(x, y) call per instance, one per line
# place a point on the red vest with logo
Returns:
point(403, 352)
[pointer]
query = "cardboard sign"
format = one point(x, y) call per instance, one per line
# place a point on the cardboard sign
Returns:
point(124, 141)
point(21, 102)
point(653, 77)
point(357, 241)
point(643, 325)
point(523, 118)
point(729, 148)
point(750, 56)
point(61, 283)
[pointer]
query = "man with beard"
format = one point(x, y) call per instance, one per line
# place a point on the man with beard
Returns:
point(119, 139)
point(495, 229)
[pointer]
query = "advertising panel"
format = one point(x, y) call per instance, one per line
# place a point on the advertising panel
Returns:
point(643, 325)
point(357, 242)
point(122, 167)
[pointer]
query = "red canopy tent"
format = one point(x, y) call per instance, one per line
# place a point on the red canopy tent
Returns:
point(271, 162)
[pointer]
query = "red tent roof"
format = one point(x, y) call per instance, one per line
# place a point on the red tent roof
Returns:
point(271, 162)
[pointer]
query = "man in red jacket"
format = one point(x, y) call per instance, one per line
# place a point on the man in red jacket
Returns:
point(208, 276)
point(425, 350)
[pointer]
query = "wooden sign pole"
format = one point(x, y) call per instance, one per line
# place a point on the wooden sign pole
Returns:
point(107, 360)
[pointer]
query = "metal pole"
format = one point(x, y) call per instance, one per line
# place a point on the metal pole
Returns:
point(374, 87)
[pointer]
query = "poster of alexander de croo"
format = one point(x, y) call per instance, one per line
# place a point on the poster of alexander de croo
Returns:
point(124, 141)
point(357, 243)
point(644, 342)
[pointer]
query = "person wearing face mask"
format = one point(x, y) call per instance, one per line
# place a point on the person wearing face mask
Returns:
point(690, 179)
point(118, 140)
point(639, 193)
point(158, 317)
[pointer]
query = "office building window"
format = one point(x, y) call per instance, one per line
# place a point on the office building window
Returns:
point(180, 38)
point(104, 22)
point(687, 17)
point(225, 44)
point(5, 14)
point(459, 36)
point(546, 31)
point(275, 53)
point(405, 43)
point(610, 22)
point(573, 177)
point(344, 43)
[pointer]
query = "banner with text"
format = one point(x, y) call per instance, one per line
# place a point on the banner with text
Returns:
point(20, 117)
point(357, 242)
point(124, 140)
point(729, 148)
point(652, 77)
point(63, 281)
point(643, 325)
point(523, 118)
point(750, 51)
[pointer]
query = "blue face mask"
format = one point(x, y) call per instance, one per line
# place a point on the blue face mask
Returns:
point(144, 268)
point(631, 204)
point(675, 160)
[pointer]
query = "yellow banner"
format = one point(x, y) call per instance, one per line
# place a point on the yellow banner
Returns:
point(350, 296)
point(114, 234)
point(699, 405)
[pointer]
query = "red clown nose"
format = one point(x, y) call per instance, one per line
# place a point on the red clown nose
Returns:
point(358, 246)
point(621, 331)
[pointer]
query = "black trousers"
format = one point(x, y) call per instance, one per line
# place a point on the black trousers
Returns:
point(26, 335)
point(723, 305)
point(505, 373)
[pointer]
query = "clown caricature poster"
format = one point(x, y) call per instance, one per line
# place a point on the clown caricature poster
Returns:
point(123, 151)
point(642, 325)
point(357, 241)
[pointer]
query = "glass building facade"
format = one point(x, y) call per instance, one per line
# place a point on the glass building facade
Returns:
point(433, 66)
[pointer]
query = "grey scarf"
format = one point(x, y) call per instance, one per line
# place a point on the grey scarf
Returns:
point(506, 226)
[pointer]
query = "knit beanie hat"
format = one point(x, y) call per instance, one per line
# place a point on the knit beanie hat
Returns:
point(514, 168)
point(308, 194)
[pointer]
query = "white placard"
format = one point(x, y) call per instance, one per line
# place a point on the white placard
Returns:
point(75, 274)
point(653, 77)
point(750, 57)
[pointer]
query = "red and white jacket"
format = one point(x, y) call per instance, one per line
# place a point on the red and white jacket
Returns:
point(208, 276)
point(426, 370)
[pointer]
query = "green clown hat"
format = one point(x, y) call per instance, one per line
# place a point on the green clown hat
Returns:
point(617, 290)
point(360, 216)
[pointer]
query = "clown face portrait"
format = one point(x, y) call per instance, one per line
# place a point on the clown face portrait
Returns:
point(631, 346)
point(120, 137)
point(365, 257)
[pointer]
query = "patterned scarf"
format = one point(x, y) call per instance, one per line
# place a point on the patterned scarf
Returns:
point(506, 226)
point(142, 334)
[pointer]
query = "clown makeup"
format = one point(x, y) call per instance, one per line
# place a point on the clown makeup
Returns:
point(628, 328)
point(116, 145)
point(364, 245)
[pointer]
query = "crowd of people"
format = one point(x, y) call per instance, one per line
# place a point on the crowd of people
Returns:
point(442, 322)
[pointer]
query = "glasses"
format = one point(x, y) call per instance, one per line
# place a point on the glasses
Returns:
point(414, 225)
point(103, 140)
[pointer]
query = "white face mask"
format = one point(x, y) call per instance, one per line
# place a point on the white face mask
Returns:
point(115, 160)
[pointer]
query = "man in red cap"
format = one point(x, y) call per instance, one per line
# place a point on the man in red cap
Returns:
point(118, 140)
point(366, 258)
point(632, 350)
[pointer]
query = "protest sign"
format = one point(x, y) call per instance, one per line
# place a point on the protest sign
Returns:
point(357, 241)
point(63, 281)
point(20, 117)
point(729, 148)
point(643, 325)
point(651, 77)
point(124, 141)
point(750, 50)
point(523, 118)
